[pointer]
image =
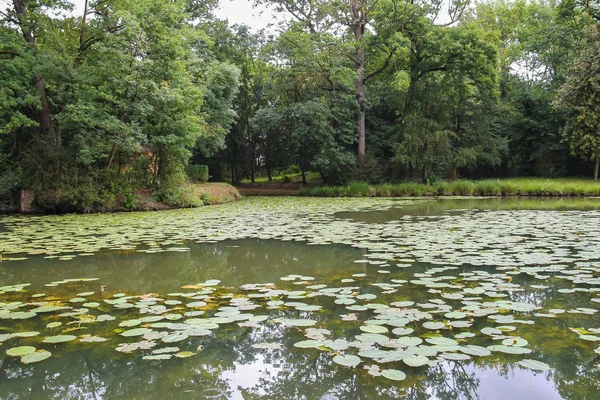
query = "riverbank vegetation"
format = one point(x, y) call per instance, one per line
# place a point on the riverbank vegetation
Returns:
point(461, 187)
point(122, 98)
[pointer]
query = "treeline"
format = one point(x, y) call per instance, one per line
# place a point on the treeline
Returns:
point(132, 96)
point(395, 90)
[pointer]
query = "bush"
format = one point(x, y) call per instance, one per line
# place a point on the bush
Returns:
point(198, 173)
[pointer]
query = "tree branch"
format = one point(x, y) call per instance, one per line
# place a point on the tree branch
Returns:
point(385, 65)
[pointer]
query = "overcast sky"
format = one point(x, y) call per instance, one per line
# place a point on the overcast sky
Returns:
point(235, 11)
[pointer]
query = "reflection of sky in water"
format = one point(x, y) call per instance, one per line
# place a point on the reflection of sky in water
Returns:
point(246, 376)
point(518, 384)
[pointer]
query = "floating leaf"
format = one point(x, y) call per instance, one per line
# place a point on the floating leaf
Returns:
point(59, 339)
point(136, 332)
point(36, 357)
point(534, 365)
point(416, 361)
point(20, 351)
point(393, 374)
point(347, 361)
point(307, 344)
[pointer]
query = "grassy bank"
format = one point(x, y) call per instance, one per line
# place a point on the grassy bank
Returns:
point(495, 187)
point(189, 196)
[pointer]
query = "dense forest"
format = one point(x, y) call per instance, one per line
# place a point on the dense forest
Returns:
point(141, 95)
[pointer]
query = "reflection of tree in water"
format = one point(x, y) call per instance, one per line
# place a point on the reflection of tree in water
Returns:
point(252, 262)
point(100, 372)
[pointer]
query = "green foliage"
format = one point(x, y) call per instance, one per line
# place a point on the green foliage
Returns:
point(124, 96)
point(511, 187)
point(579, 98)
point(198, 173)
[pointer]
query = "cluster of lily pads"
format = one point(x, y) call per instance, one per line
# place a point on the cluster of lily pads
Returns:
point(474, 311)
point(396, 333)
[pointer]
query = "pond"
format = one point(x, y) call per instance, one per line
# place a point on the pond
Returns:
point(305, 298)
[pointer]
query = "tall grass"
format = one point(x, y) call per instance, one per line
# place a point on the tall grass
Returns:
point(488, 187)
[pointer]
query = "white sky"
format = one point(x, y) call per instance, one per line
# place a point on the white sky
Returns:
point(235, 11)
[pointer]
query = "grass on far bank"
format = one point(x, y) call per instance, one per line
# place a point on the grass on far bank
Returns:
point(488, 187)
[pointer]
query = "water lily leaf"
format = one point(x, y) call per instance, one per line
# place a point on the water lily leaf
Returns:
point(130, 323)
point(434, 325)
point(307, 344)
point(158, 357)
point(509, 349)
point(393, 374)
point(175, 337)
point(20, 351)
point(25, 334)
point(136, 332)
point(402, 331)
point(347, 361)
point(410, 341)
point(185, 354)
point(441, 341)
point(374, 329)
point(53, 325)
point(92, 339)
point(36, 357)
point(491, 331)
point(166, 350)
point(416, 361)
point(534, 365)
point(474, 350)
point(59, 339)
point(518, 342)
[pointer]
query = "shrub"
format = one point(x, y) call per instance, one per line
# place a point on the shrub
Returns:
point(198, 173)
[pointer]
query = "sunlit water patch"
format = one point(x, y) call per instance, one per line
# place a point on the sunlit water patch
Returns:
point(281, 298)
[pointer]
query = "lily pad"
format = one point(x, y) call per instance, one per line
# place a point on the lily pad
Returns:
point(393, 374)
point(20, 351)
point(36, 357)
point(59, 339)
point(534, 365)
point(347, 361)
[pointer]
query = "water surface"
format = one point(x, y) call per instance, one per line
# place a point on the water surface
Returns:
point(529, 269)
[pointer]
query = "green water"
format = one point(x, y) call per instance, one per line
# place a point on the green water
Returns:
point(535, 266)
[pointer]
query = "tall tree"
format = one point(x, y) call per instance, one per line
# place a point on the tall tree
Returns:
point(579, 98)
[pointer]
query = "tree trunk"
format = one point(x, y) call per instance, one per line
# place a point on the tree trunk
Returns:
point(358, 27)
point(454, 173)
point(597, 166)
point(113, 153)
point(303, 176)
point(269, 173)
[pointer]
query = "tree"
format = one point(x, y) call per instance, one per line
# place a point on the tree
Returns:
point(579, 99)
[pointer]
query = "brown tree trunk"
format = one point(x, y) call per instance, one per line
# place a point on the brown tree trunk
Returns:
point(303, 176)
point(358, 27)
point(597, 166)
